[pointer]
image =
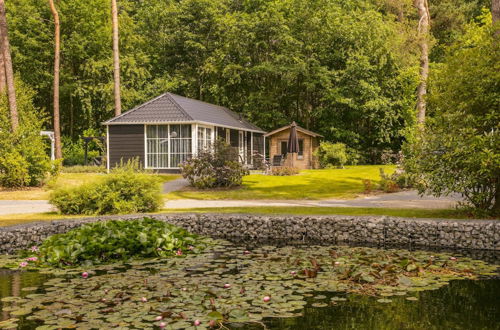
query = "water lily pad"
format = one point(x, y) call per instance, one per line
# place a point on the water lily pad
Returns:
point(384, 300)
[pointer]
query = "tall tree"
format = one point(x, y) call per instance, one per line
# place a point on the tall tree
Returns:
point(57, 49)
point(9, 72)
point(423, 41)
point(495, 14)
point(116, 59)
point(3, 82)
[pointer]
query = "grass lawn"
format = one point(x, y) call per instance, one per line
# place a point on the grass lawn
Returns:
point(9, 220)
point(63, 180)
point(309, 184)
point(298, 210)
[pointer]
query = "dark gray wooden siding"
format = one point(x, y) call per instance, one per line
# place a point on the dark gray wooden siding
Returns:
point(126, 142)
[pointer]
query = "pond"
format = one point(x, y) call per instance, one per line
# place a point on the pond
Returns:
point(289, 287)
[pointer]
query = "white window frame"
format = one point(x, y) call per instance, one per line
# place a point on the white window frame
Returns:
point(205, 143)
point(169, 153)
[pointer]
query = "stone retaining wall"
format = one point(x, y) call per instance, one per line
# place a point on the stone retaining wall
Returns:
point(378, 230)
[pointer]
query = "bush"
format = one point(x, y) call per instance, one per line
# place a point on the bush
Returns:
point(105, 241)
point(127, 189)
point(332, 154)
point(284, 170)
point(24, 160)
point(394, 182)
point(214, 168)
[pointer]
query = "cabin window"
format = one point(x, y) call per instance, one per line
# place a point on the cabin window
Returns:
point(204, 138)
point(180, 144)
point(167, 145)
point(300, 155)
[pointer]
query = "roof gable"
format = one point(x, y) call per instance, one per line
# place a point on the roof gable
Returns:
point(170, 107)
point(300, 129)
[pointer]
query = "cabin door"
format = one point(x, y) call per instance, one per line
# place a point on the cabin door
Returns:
point(241, 146)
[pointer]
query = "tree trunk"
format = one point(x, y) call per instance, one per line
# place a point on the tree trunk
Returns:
point(116, 59)
point(57, 47)
point(9, 72)
point(3, 81)
point(495, 14)
point(423, 42)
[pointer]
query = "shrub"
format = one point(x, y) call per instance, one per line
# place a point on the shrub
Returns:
point(74, 151)
point(396, 181)
point(24, 160)
point(105, 241)
point(127, 189)
point(368, 185)
point(284, 170)
point(331, 154)
point(214, 168)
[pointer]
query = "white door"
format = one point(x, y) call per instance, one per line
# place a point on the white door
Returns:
point(241, 144)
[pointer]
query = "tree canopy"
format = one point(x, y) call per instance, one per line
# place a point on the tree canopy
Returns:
point(345, 68)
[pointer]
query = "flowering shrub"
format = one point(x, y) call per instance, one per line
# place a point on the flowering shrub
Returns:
point(214, 168)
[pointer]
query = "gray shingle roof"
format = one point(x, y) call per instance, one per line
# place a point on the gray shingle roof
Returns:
point(170, 107)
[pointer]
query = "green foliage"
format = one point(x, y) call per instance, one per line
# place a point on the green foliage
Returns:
point(74, 152)
point(218, 167)
point(125, 190)
point(284, 170)
point(459, 150)
point(387, 183)
point(24, 160)
point(331, 155)
point(105, 241)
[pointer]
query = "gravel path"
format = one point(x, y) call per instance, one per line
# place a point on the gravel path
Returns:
point(175, 185)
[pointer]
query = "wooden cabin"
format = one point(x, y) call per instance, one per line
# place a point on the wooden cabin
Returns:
point(308, 144)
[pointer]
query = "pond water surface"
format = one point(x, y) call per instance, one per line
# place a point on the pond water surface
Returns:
point(461, 304)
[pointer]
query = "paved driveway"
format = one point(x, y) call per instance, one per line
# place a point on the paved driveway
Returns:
point(404, 199)
point(24, 206)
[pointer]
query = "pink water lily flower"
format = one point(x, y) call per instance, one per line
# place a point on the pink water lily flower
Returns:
point(293, 273)
point(197, 323)
point(32, 259)
point(34, 248)
point(190, 247)
point(453, 258)
point(266, 298)
point(179, 252)
point(162, 325)
point(85, 274)
point(246, 252)
point(23, 264)
point(159, 318)
point(144, 299)
point(227, 285)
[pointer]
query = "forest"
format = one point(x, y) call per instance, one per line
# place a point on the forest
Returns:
point(347, 69)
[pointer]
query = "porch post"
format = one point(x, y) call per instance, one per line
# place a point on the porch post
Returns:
point(194, 139)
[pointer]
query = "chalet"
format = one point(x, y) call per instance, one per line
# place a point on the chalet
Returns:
point(169, 129)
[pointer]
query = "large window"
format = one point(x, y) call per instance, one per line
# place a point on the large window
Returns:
point(167, 145)
point(204, 138)
point(157, 146)
point(180, 144)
